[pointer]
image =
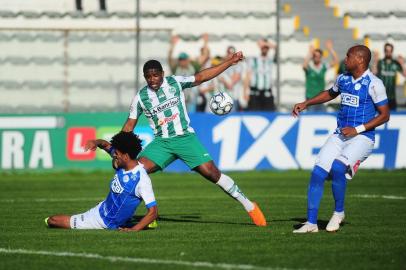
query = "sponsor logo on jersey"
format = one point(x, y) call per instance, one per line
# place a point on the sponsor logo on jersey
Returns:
point(166, 120)
point(357, 86)
point(173, 102)
point(349, 100)
point(116, 186)
point(172, 90)
point(364, 82)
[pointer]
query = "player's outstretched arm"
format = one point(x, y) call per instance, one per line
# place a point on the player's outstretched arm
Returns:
point(323, 97)
point(93, 144)
point(149, 217)
point(210, 73)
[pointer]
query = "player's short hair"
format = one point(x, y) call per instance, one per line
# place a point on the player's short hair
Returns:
point(127, 142)
point(152, 64)
point(364, 52)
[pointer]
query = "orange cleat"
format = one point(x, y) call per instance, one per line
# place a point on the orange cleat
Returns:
point(257, 216)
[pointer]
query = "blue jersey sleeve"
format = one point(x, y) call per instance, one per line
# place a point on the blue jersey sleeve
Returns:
point(335, 89)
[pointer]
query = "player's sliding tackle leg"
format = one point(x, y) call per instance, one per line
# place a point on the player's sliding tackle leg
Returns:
point(338, 170)
point(314, 195)
point(58, 221)
point(209, 171)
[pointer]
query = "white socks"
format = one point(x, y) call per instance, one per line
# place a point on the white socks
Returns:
point(228, 185)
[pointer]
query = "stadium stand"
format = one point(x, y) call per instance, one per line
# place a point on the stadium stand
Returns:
point(346, 6)
point(78, 56)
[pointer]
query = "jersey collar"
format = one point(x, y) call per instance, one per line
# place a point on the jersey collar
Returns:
point(135, 169)
point(367, 72)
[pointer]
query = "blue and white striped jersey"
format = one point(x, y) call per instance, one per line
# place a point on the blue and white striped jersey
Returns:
point(359, 99)
point(127, 190)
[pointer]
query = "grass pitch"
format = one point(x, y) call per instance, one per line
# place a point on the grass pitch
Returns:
point(202, 228)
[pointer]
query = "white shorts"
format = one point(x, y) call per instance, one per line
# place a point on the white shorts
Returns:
point(350, 151)
point(88, 220)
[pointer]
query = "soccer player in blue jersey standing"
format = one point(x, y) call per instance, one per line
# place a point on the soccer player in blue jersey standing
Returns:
point(364, 106)
point(129, 186)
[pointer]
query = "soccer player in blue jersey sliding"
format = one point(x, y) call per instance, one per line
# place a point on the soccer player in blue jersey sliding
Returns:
point(129, 186)
point(364, 106)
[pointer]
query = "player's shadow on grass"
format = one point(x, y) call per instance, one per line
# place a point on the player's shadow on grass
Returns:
point(322, 224)
point(187, 218)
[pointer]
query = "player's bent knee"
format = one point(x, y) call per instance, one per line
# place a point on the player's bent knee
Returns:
point(318, 175)
point(209, 171)
point(149, 165)
point(338, 167)
point(214, 172)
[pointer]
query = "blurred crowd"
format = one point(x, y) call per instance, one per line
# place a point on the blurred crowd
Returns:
point(250, 83)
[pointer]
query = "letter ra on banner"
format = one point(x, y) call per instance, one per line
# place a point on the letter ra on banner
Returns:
point(76, 140)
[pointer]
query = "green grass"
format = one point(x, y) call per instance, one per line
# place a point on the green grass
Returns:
point(199, 223)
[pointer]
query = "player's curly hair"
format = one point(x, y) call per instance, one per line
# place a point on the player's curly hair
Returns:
point(152, 64)
point(127, 142)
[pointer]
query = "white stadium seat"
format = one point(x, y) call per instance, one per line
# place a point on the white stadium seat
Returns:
point(384, 26)
point(364, 6)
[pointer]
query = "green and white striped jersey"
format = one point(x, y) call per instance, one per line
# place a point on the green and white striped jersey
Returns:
point(261, 69)
point(165, 108)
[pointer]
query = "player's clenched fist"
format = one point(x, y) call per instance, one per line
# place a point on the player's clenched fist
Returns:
point(90, 145)
point(349, 131)
point(298, 108)
point(237, 57)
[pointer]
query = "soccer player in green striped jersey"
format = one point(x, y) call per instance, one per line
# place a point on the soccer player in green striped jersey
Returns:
point(162, 101)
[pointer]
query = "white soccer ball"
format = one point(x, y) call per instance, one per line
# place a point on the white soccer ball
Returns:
point(221, 103)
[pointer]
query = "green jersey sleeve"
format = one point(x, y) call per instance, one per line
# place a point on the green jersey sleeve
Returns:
point(185, 81)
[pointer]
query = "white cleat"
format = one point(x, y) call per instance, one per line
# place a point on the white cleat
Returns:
point(335, 221)
point(307, 228)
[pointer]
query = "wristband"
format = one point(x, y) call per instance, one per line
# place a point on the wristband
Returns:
point(360, 129)
point(111, 150)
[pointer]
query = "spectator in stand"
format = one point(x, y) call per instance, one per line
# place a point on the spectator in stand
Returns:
point(315, 71)
point(260, 79)
point(386, 69)
point(236, 75)
point(341, 67)
point(185, 66)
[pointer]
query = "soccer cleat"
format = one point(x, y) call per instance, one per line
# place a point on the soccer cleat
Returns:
point(46, 221)
point(153, 225)
point(335, 221)
point(307, 228)
point(257, 216)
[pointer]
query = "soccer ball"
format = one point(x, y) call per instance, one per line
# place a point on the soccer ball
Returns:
point(221, 103)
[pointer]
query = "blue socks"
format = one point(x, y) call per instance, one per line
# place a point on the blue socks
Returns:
point(338, 170)
point(315, 192)
point(316, 187)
